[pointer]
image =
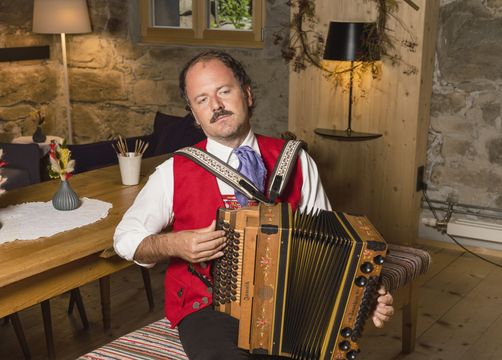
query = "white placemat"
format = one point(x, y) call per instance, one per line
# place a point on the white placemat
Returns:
point(30, 221)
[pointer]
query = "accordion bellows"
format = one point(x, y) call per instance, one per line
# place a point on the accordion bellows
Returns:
point(301, 285)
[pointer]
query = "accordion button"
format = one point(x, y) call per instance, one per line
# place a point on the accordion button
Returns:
point(379, 260)
point(367, 267)
point(344, 345)
point(352, 355)
point(361, 281)
point(346, 332)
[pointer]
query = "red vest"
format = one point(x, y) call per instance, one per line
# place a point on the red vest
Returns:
point(195, 202)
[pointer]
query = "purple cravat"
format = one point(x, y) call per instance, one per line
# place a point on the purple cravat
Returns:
point(251, 166)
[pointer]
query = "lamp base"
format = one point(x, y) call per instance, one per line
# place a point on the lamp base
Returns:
point(346, 135)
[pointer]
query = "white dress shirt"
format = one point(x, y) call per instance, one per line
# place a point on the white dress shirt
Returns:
point(152, 210)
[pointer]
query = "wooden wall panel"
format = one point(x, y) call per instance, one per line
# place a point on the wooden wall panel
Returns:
point(376, 177)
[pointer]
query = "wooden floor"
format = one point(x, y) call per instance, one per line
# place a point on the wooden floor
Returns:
point(460, 315)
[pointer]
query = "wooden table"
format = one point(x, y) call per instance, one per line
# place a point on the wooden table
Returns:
point(36, 270)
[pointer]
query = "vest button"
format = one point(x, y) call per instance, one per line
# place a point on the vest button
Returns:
point(205, 300)
point(203, 265)
point(196, 305)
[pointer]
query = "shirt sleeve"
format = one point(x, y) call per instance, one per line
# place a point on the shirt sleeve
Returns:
point(150, 213)
point(313, 195)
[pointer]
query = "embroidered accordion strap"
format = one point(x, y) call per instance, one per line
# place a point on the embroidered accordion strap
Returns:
point(283, 168)
point(224, 172)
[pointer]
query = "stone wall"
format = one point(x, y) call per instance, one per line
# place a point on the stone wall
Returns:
point(464, 160)
point(116, 83)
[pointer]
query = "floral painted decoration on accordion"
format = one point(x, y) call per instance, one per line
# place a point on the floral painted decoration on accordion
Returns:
point(61, 165)
point(2, 179)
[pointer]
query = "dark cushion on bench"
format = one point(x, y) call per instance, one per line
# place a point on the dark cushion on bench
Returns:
point(99, 154)
point(23, 164)
point(170, 133)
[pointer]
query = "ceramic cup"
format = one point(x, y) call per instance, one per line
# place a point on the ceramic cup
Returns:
point(130, 166)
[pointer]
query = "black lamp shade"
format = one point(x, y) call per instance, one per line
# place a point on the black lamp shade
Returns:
point(352, 41)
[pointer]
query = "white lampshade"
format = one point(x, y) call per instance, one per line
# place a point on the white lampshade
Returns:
point(61, 16)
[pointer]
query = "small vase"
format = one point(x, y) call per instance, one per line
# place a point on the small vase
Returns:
point(65, 198)
point(39, 136)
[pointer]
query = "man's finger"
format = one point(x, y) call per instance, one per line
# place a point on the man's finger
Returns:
point(385, 310)
point(212, 244)
point(209, 255)
point(386, 299)
point(378, 323)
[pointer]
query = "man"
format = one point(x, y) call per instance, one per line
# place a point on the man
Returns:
point(184, 195)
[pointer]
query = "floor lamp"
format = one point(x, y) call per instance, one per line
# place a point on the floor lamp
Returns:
point(62, 17)
point(350, 41)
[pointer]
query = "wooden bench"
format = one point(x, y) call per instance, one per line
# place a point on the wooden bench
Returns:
point(158, 341)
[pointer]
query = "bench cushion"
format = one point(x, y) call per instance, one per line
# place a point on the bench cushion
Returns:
point(154, 341)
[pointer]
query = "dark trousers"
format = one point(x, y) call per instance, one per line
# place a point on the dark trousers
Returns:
point(212, 335)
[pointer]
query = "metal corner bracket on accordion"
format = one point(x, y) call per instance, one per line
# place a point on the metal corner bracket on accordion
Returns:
point(301, 285)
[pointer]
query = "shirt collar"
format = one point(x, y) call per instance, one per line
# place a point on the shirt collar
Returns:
point(223, 152)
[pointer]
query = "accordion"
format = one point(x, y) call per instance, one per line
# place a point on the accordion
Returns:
point(301, 285)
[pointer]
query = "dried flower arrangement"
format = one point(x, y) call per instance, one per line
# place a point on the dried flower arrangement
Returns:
point(302, 45)
point(62, 166)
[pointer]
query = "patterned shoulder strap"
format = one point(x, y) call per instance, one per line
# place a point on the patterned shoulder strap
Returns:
point(283, 168)
point(223, 172)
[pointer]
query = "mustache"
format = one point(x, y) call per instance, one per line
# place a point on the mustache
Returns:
point(219, 113)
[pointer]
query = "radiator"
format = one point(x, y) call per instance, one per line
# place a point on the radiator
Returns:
point(475, 229)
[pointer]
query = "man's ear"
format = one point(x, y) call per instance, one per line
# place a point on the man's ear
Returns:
point(249, 95)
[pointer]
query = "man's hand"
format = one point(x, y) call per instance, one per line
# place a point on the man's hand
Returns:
point(384, 309)
point(197, 245)
point(191, 245)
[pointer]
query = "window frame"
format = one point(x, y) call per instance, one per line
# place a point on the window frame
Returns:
point(199, 34)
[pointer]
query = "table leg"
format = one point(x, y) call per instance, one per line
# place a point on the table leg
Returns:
point(145, 272)
point(49, 337)
point(18, 329)
point(77, 298)
point(104, 289)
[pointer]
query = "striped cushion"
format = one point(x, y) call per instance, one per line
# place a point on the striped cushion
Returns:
point(154, 341)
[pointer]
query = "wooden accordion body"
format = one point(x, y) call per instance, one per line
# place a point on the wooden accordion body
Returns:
point(301, 286)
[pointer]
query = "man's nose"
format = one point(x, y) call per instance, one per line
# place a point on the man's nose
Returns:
point(216, 104)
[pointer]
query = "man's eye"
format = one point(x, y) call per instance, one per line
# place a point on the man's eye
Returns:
point(224, 92)
point(201, 100)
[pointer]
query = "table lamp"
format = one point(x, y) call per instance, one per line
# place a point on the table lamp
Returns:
point(62, 17)
point(351, 41)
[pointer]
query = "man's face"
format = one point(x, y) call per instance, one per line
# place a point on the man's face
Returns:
point(218, 103)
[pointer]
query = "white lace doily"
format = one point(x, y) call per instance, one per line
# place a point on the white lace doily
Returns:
point(30, 221)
